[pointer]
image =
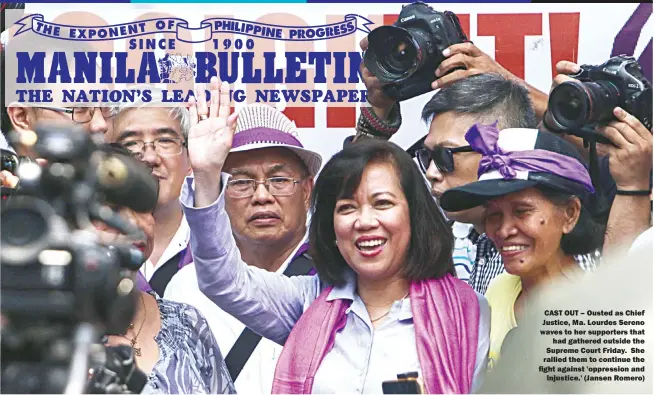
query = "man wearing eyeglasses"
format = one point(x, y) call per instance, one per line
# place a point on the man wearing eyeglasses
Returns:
point(23, 118)
point(91, 119)
point(157, 136)
point(266, 199)
point(446, 159)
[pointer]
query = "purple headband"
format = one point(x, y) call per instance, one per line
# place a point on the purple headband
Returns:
point(263, 136)
point(483, 139)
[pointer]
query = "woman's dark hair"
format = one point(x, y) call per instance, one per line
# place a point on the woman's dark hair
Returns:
point(430, 249)
point(587, 235)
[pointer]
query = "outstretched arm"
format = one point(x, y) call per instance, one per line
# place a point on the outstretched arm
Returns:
point(268, 303)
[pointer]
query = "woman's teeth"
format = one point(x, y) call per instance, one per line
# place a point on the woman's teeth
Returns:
point(370, 243)
point(514, 248)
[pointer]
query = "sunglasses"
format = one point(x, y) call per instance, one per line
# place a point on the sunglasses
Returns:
point(442, 157)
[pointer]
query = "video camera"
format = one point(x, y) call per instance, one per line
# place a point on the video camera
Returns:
point(61, 289)
point(405, 56)
point(589, 99)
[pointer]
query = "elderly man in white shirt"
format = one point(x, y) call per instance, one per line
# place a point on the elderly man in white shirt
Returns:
point(267, 199)
point(157, 135)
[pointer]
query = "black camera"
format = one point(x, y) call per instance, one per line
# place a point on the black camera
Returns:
point(590, 98)
point(9, 161)
point(61, 288)
point(405, 56)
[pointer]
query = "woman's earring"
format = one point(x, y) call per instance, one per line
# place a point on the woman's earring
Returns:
point(542, 221)
point(335, 242)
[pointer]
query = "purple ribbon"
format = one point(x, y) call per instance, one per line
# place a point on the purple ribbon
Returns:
point(141, 283)
point(264, 135)
point(483, 139)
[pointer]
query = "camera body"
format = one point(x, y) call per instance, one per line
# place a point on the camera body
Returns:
point(590, 98)
point(405, 56)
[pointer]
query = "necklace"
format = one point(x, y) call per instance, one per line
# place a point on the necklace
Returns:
point(137, 350)
point(389, 310)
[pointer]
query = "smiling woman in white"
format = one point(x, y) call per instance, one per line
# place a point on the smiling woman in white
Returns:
point(385, 300)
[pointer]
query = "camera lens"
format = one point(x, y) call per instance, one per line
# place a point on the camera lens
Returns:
point(394, 53)
point(8, 161)
point(27, 225)
point(574, 104)
point(401, 55)
point(21, 227)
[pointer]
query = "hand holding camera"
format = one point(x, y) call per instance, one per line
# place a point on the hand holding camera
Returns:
point(612, 104)
point(405, 56)
point(8, 180)
point(630, 155)
point(586, 96)
point(464, 60)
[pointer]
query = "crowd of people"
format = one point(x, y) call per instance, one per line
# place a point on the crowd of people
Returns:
point(273, 270)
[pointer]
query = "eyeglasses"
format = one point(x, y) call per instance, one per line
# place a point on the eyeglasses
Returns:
point(442, 157)
point(163, 146)
point(277, 186)
point(83, 114)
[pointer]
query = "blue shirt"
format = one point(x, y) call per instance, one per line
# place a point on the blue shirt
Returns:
point(189, 361)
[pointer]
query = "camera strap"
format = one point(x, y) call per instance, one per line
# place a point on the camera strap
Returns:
point(160, 279)
point(248, 340)
point(600, 205)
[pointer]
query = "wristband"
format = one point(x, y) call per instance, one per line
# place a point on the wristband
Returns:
point(369, 124)
point(641, 192)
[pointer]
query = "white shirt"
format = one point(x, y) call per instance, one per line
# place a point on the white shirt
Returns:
point(178, 243)
point(372, 356)
point(258, 372)
point(465, 251)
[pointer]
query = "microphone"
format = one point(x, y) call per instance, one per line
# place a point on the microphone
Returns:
point(127, 182)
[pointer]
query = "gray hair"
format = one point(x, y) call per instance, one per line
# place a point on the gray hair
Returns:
point(178, 113)
point(491, 97)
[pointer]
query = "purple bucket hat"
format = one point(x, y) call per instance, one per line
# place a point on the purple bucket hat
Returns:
point(262, 126)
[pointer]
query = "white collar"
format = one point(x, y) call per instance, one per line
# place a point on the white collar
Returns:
point(178, 243)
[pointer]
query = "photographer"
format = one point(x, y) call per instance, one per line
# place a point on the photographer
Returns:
point(466, 55)
point(627, 163)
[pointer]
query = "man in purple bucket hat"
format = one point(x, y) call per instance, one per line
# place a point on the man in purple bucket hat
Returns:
point(267, 200)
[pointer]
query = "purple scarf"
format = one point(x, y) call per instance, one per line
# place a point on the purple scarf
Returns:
point(446, 321)
point(483, 139)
